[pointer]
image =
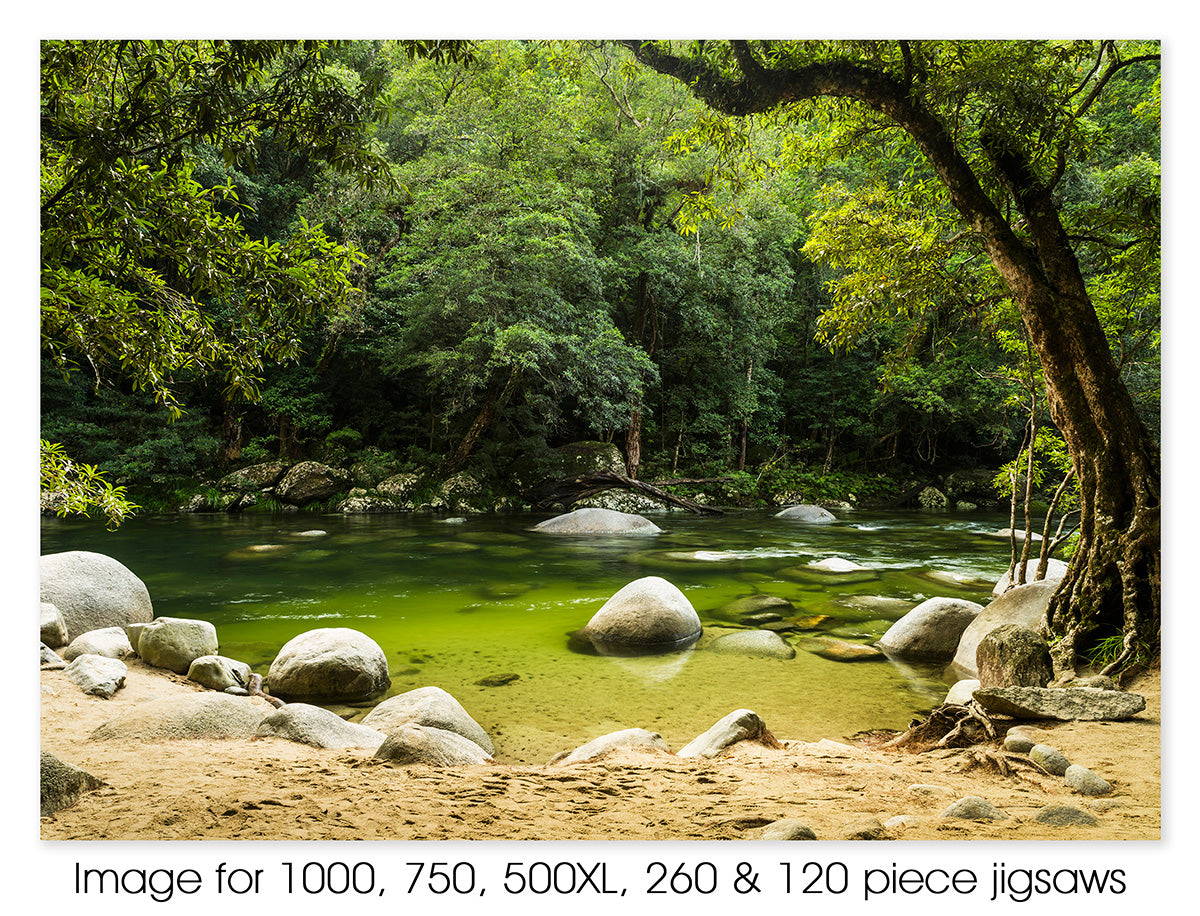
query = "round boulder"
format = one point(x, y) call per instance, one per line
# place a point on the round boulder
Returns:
point(931, 630)
point(92, 591)
point(647, 616)
point(807, 514)
point(429, 706)
point(175, 642)
point(331, 664)
point(597, 521)
point(422, 744)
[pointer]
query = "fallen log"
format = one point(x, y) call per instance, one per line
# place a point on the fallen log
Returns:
point(571, 490)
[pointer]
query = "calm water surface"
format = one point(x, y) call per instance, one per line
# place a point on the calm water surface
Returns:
point(453, 604)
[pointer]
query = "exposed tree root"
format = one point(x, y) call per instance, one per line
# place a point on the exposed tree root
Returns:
point(950, 725)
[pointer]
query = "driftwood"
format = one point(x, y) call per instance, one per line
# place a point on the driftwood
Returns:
point(570, 490)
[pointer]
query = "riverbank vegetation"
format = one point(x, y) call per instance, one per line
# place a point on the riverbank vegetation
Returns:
point(446, 257)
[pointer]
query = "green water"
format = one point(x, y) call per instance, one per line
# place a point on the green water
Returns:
point(453, 604)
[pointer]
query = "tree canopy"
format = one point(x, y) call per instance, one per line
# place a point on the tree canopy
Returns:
point(821, 267)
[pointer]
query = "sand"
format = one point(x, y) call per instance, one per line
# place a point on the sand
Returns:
point(275, 789)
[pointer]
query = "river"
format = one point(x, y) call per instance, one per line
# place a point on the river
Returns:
point(453, 604)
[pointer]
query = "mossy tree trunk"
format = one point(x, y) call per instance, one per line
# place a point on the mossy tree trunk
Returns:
point(1113, 583)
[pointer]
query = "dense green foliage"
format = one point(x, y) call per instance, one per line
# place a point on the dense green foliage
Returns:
point(440, 261)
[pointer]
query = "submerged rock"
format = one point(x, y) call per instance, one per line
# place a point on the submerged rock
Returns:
point(763, 643)
point(646, 617)
point(840, 650)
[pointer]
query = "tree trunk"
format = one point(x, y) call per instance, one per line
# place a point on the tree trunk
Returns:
point(633, 439)
point(482, 422)
point(1113, 583)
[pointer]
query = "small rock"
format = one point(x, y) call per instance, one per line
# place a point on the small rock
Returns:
point(1019, 744)
point(762, 643)
point(219, 673)
point(840, 650)
point(53, 627)
point(1085, 782)
point(960, 693)
point(63, 784)
point(787, 828)
point(1065, 816)
point(97, 675)
point(51, 659)
point(175, 642)
point(974, 808)
point(430, 746)
point(902, 822)
point(1050, 759)
point(739, 725)
point(497, 680)
point(867, 829)
point(1013, 656)
point(629, 737)
point(318, 727)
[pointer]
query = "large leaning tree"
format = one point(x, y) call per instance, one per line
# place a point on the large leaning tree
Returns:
point(998, 124)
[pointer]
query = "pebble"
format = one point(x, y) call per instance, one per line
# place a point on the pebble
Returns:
point(1085, 782)
point(1050, 759)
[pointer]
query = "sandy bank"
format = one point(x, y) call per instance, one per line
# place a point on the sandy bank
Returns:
point(274, 789)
